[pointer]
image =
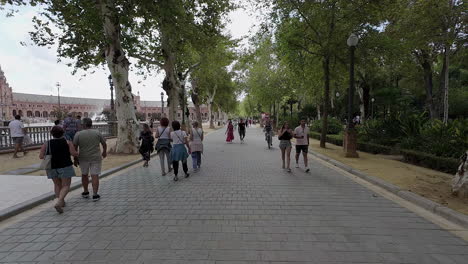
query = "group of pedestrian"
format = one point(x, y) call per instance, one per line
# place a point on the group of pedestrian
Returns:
point(80, 141)
point(241, 128)
point(301, 134)
point(173, 146)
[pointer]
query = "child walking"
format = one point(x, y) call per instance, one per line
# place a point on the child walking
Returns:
point(179, 152)
point(196, 145)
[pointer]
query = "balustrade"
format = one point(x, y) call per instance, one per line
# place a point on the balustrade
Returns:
point(40, 134)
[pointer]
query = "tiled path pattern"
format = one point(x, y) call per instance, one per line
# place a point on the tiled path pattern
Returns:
point(240, 208)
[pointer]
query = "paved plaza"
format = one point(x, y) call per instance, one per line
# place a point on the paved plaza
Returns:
point(240, 208)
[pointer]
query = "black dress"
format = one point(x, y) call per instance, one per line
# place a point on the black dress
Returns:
point(146, 147)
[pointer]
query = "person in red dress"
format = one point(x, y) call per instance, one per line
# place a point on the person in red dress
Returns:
point(230, 132)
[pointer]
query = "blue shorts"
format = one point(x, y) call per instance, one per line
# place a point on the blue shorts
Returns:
point(61, 173)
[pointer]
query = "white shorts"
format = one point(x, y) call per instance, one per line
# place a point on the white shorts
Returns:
point(90, 167)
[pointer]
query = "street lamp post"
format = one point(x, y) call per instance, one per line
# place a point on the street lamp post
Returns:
point(59, 114)
point(112, 105)
point(372, 106)
point(350, 141)
point(162, 104)
point(182, 85)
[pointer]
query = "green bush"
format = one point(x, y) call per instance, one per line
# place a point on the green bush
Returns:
point(439, 139)
point(335, 126)
point(381, 131)
point(444, 164)
point(376, 148)
point(333, 139)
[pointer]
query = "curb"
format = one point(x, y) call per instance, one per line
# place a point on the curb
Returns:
point(445, 212)
point(43, 198)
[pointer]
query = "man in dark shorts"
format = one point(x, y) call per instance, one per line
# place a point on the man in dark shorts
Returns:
point(242, 130)
point(301, 134)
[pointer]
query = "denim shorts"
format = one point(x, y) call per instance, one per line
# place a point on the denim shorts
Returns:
point(61, 173)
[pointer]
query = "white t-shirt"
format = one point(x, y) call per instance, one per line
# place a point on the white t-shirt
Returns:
point(299, 131)
point(16, 128)
point(178, 137)
point(165, 134)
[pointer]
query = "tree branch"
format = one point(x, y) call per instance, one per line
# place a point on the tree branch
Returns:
point(190, 69)
point(304, 48)
point(144, 59)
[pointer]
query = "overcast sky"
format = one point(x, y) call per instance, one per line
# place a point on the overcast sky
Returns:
point(34, 69)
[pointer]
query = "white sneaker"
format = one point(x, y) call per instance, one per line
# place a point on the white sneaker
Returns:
point(297, 165)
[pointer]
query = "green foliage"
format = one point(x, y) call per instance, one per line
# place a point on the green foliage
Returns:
point(335, 126)
point(140, 116)
point(309, 111)
point(417, 132)
point(439, 139)
point(444, 164)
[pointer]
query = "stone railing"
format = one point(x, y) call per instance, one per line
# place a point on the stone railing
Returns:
point(40, 134)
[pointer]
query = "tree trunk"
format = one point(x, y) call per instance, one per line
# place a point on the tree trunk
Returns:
point(196, 102)
point(428, 83)
point(326, 101)
point(210, 106)
point(364, 96)
point(170, 82)
point(118, 64)
point(445, 87)
point(319, 115)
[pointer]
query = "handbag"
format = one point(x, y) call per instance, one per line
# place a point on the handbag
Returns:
point(46, 163)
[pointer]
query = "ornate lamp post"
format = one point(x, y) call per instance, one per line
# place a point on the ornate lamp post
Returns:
point(372, 106)
point(59, 114)
point(111, 85)
point(350, 141)
point(182, 85)
point(162, 104)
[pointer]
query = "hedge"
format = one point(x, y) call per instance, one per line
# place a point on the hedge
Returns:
point(449, 165)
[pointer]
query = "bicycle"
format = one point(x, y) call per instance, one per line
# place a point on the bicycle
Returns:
point(269, 138)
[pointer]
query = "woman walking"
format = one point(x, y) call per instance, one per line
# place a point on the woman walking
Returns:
point(285, 135)
point(163, 146)
point(146, 147)
point(61, 166)
point(230, 132)
point(196, 145)
point(179, 152)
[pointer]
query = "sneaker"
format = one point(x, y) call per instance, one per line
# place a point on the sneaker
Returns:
point(288, 170)
point(85, 195)
point(307, 170)
point(96, 197)
point(176, 178)
point(58, 208)
point(297, 165)
point(187, 175)
point(163, 174)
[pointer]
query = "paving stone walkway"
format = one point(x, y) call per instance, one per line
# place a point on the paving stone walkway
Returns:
point(240, 208)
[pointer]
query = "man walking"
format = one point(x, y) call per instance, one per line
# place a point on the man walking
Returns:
point(301, 134)
point(90, 157)
point(242, 126)
point(17, 133)
point(70, 125)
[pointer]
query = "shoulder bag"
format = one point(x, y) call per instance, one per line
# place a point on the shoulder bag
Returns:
point(46, 163)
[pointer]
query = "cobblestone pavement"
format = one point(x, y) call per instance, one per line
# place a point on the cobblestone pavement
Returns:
point(240, 208)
